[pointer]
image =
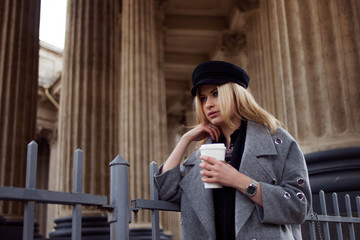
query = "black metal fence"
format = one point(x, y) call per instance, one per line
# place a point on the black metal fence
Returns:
point(318, 222)
point(119, 209)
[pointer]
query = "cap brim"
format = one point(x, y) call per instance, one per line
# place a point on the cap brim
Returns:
point(213, 80)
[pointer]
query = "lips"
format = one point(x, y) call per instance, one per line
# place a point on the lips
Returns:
point(213, 114)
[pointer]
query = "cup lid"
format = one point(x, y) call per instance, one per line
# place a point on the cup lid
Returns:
point(220, 146)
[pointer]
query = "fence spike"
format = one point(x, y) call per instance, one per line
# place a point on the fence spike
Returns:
point(29, 210)
point(31, 164)
point(78, 171)
point(119, 198)
point(337, 213)
point(324, 212)
point(358, 205)
point(349, 214)
point(154, 195)
point(119, 161)
point(77, 188)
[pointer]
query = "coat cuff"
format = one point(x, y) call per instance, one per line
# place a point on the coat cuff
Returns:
point(281, 206)
point(168, 183)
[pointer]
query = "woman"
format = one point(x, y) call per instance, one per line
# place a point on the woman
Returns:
point(266, 193)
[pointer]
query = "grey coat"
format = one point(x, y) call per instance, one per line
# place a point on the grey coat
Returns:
point(275, 161)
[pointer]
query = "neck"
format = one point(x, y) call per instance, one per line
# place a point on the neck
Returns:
point(226, 131)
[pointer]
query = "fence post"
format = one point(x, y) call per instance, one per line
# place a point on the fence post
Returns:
point(358, 205)
point(324, 212)
point(312, 225)
point(154, 195)
point(77, 188)
point(337, 213)
point(31, 164)
point(349, 214)
point(119, 198)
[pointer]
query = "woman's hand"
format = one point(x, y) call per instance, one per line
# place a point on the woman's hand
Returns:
point(198, 133)
point(215, 171)
point(202, 131)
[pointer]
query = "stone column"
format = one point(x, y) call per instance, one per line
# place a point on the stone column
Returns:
point(19, 57)
point(310, 60)
point(142, 97)
point(89, 94)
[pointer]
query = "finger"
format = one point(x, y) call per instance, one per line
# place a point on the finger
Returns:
point(206, 174)
point(209, 160)
point(216, 131)
point(209, 180)
point(204, 165)
point(211, 132)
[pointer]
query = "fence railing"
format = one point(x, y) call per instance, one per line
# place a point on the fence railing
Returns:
point(318, 223)
point(314, 219)
point(119, 210)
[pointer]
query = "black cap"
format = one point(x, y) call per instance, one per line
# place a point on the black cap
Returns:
point(218, 73)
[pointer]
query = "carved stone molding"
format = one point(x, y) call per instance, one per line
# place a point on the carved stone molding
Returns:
point(232, 42)
point(161, 2)
point(44, 132)
point(246, 5)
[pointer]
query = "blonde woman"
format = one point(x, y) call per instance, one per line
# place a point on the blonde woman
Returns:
point(266, 192)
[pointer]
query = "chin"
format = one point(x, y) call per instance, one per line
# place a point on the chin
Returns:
point(216, 121)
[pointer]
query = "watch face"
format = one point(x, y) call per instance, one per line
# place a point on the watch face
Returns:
point(251, 190)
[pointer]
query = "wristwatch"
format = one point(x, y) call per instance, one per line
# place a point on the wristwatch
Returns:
point(251, 189)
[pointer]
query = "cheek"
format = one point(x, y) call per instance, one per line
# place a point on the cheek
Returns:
point(203, 108)
point(204, 113)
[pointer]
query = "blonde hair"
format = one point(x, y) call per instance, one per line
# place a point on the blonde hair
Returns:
point(234, 100)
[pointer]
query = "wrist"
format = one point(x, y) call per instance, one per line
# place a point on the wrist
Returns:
point(251, 189)
point(242, 182)
point(185, 139)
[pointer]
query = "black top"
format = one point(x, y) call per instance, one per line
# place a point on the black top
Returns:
point(224, 198)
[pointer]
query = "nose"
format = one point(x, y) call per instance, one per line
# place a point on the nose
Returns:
point(209, 103)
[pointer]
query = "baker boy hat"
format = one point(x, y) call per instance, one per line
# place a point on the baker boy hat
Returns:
point(218, 73)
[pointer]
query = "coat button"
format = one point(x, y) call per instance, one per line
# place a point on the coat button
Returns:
point(278, 141)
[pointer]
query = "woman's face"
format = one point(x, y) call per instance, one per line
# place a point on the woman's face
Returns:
point(208, 95)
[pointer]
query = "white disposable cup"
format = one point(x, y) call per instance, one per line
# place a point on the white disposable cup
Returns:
point(217, 151)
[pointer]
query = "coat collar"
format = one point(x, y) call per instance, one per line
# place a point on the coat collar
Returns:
point(258, 140)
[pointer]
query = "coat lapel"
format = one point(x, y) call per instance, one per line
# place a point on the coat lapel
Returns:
point(200, 199)
point(258, 143)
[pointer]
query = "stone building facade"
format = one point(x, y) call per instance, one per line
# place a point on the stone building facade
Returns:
point(125, 83)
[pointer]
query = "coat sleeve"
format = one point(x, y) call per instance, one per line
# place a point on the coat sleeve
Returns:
point(168, 184)
point(289, 201)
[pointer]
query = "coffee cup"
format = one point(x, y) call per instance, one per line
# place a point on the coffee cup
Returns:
point(217, 151)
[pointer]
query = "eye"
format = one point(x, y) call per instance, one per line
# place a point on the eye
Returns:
point(215, 94)
point(202, 99)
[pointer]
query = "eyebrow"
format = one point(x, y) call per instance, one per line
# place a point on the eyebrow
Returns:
point(215, 89)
